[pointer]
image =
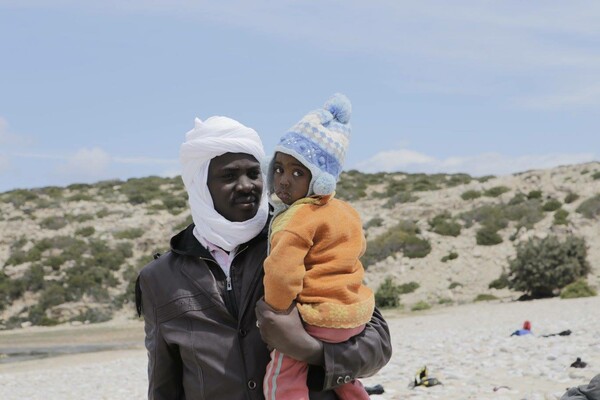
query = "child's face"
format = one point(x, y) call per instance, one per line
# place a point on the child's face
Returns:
point(291, 178)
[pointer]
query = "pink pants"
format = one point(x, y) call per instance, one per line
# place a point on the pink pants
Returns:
point(286, 378)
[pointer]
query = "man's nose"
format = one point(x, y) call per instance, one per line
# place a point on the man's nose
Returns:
point(245, 184)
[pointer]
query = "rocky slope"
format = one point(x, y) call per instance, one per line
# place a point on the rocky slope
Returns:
point(71, 254)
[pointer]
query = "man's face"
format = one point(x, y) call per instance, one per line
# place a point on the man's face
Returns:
point(235, 184)
point(291, 178)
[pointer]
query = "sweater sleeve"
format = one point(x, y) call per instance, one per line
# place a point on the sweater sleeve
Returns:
point(284, 269)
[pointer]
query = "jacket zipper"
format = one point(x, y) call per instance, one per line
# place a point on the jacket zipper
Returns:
point(229, 295)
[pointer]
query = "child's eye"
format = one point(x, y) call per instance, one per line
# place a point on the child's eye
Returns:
point(278, 170)
point(298, 173)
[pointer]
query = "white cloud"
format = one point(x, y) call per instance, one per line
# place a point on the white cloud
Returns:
point(394, 160)
point(86, 163)
point(482, 164)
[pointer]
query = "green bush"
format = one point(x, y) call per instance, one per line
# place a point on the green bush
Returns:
point(485, 178)
point(489, 215)
point(130, 276)
point(131, 233)
point(590, 208)
point(53, 192)
point(37, 316)
point(457, 179)
point(351, 186)
point(485, 297)
point(487, 236)
point(94, 315)
point(571, 197)
point(551, 205)
point(596, 175)
point(415, 247)
point(470, 195)
point(518, 198)
point(399, 238)
point(53, 295)
point(174, 204)
point(560, 217)
point(400, 198)
point(54, 222)
point(374, 222)
point(579, 288)
point(102, 213)
point(443, 224)
point(33, 279)
point(500, 283)
point(450, 256)
point(85, 231)
point(420, 306)
point(388, 294)
point(18, 197)
point(526, 213)
point(454, 285)
point(80, 217)
point(496, 191)
point(534, 194)
point(79, 196)
point(543, 266)
point(408, 287)
point(10, 289)
point(142, 190)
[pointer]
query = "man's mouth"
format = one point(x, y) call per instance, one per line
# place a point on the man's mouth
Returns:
point(246, 201)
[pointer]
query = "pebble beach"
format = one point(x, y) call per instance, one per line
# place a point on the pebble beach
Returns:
point(468, 348)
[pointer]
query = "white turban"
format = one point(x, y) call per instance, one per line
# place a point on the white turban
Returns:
point(209, 139)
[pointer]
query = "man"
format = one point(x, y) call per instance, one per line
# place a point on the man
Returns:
point(201, 300)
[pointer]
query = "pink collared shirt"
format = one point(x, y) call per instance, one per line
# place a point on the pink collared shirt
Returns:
point(223, 258)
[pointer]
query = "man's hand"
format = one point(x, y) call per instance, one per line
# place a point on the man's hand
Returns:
point(283, 330)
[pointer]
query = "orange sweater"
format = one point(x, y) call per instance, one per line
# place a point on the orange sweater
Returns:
point(314, 259)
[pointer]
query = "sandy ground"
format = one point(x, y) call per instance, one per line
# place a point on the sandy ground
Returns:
point(468, 348)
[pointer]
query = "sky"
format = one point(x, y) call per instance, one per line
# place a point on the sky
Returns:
point(94, 90)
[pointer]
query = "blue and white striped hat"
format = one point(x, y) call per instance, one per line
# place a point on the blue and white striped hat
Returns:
point(319, 141)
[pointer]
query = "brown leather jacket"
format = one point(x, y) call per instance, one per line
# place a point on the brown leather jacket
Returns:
point(201, 334)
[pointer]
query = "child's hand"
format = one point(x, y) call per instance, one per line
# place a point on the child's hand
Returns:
point(283, 330)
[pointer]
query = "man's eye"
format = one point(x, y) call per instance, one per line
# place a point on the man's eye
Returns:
point(254, 175)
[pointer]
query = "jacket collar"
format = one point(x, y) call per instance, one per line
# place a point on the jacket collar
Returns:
point(185, 243)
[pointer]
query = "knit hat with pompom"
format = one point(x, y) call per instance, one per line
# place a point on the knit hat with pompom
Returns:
point(319, 141)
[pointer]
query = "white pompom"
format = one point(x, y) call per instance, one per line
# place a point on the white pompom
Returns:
point(340, 107)
point(324, 184)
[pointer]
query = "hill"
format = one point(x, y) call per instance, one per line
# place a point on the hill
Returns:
point(72, 253)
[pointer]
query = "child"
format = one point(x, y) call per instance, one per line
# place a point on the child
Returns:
point(315, 245)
